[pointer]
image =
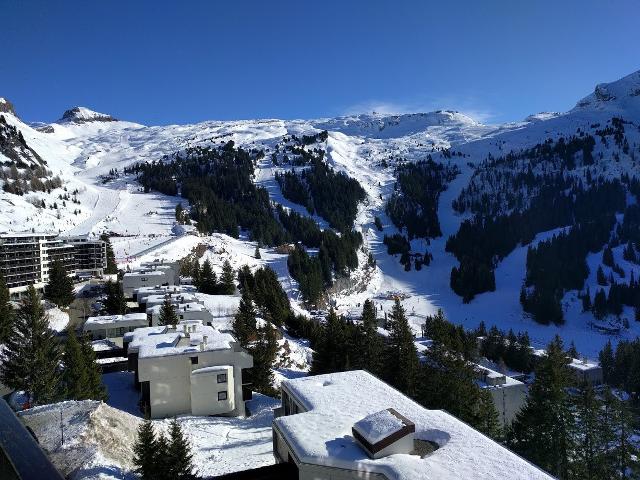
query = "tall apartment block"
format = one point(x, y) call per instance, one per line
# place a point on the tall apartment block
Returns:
point(26, 258)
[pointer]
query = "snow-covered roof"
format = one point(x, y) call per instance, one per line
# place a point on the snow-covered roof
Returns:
point(583, 364)
point(187, 337)
point(335, 402)
point(103, 320)
point(160, 289)
point(183, 307)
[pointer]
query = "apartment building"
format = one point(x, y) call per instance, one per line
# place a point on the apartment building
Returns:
point(25, 259)
point(189, 369)
point(351, 425)
point(90, 254)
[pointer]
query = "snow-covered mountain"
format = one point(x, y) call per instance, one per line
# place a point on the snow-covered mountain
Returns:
point(84, 148)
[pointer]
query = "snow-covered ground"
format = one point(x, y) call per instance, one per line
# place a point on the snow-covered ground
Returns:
point(98, 437)
point(82, 149)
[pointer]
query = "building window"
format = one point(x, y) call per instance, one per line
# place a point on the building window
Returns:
point(222, 396)
point(194, 360)
point(222, 378)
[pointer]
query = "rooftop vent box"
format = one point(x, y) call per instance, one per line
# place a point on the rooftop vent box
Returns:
point(384, 433)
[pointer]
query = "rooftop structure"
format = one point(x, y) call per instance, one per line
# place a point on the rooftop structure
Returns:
point(321, 414)
point(192, 368)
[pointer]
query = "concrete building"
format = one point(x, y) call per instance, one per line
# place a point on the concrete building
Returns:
point(90, 254)
point(351, 425)
point(509, 395)
point(184, 311)
point(172, 269)
point(114, 326)
point(587, 371)
point(25, 259)
point(190, 369)
point(584, 370)
point(144, 278)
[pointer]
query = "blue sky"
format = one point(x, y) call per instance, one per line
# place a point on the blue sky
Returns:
point(186, 61)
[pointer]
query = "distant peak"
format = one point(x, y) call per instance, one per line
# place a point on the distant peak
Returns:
point(84, 115)
point(7, 107)
point(618, 93)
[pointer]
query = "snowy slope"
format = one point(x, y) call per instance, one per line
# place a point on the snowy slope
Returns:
point(83, 147)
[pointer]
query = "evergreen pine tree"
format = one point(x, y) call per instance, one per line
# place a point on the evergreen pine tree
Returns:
point(95, 388)
point(590, 457)
point(75, 375)
point(59, 289)
point(112, 266)
point(115, 303)
point(244, 322)
point(264, 351)
point(543, 431)
point(257, 253)
point(145, 452)
point(573, 351)
point(195, 273)
point(168, 315)
point(6, 311)
point(600, 277)
point(401, 356)
point(228, 279)
point(607, 256)
point(179, 458)
point(607, 362)
point(371, 346)
point(208, 280)
point(625, 453)
point(31, 357)
point(487, 418)
point(329, 355)
point(161, 465)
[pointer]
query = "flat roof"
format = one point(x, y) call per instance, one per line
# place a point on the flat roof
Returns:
point(165, 341)
point(335, 402)
point(183, 307)
point(115, 319)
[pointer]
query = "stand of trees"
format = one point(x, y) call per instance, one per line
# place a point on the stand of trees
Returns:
point(414, 203)
point(332, 195)
point(157, 457)
point(483, 241)
point(572, 432)
point(559, 264)
point(445, 380)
